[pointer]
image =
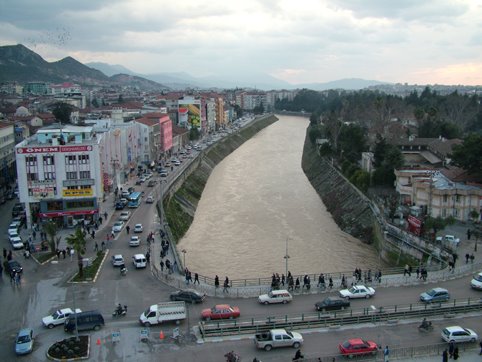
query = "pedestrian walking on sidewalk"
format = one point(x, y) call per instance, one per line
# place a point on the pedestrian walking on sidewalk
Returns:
point(216, 281)
point(196, 278)
point(226, 285)
point(386, 353)
point(162, 266)
point(103, 246)
point(445, 355)
point(105, 215)
point(96, 247)
point(451, 349)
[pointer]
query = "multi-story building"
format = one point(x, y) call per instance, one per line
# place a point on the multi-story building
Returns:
point(7, 156)
point(437, 195)
point(58, 172)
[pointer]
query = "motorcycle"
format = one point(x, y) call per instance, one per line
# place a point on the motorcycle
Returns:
point(425, 327)
point(119, 311)
point(123, 271)
point(232, 357)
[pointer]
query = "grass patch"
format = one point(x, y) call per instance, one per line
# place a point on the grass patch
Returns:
point(42, 257)
point(90, 271)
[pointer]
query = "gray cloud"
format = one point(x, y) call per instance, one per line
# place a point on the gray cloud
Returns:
point(316, 40)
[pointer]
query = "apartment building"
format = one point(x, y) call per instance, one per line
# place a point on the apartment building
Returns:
point(59, 173)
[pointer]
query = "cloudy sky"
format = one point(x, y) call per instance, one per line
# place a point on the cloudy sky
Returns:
point(298, 41)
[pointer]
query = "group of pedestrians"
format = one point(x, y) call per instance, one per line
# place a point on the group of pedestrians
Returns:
point(188, 277)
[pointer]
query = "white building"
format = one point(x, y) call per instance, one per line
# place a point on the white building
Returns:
point(58, 172)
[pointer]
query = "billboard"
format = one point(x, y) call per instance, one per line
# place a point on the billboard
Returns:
point(190, 114)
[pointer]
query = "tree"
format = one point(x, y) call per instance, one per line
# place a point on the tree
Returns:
point(77, 242)
point(259, 109)
point(468, 155)
point(62, 112)
point(51, 229)
point(194, 134)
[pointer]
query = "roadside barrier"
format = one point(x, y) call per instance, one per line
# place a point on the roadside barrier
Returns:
point(386, 314)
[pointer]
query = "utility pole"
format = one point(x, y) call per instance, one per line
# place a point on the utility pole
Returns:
point(286, 257)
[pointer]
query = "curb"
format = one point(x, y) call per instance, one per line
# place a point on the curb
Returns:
point(72, 359)
point(96, 274)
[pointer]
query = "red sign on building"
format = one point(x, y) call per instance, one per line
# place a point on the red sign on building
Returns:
point(54, 149)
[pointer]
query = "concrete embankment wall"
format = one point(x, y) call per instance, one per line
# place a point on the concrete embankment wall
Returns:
point(348, 206)
point(182, 197)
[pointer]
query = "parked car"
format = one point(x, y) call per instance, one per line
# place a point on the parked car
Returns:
point(332, 303)
point(435, 295)
point(138, 228)
point(139, 261)
point(220, 311)
point(118, 225)
point(476, 282)
point(357, 291)
point(16, 242)
point(459, 334)
point(125, 194)
point(125, 215)
point(117, 260)
point(134, 241)
point(14, 266)
point(163, 173)
point(151, 183)
point(24, 341)
point(357, 346)
point(275, 296)
point(188, 295)
point(58, 317)
point(119, 205)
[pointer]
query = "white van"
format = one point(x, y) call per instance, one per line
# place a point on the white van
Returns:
point(275, 296)
point(139, 261)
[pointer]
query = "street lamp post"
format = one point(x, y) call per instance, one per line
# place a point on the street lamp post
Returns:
point(286, 257)
point(183, 251)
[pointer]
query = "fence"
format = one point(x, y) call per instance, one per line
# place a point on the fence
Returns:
point(405, 353)
point(386, 314)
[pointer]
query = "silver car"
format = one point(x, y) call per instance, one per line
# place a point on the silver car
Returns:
point(459, 334)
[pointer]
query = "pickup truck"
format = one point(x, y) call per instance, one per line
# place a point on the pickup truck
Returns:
point(277, 338)
point(58, 317)
point(163, 312)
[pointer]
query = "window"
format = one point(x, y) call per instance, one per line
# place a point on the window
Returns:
point(32, 177)
point(445, 198)
point(72, 175)
point(48, 160)
point(31, 160)
point(84, 159)
point(49, 175)
point(84, 174)
point(70, 160)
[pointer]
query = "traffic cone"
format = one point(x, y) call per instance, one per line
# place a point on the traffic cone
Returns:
point(98, 341)
point(161, 335)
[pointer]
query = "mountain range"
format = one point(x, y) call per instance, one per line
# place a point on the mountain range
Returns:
point(18, 63)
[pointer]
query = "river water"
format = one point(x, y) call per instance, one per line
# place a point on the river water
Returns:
point(257, 201)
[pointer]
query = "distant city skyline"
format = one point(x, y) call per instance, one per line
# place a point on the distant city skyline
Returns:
point(408, 41)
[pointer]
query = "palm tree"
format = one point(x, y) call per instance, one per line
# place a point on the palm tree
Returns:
point(51, 231)
point(77, 242)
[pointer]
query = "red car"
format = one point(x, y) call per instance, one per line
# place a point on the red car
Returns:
point(357, 346)
point(220, 311)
